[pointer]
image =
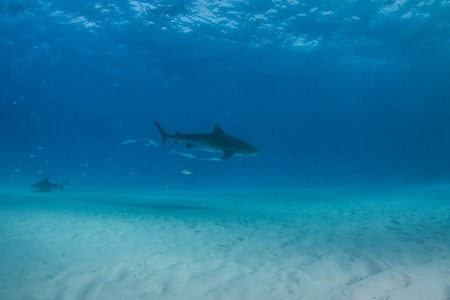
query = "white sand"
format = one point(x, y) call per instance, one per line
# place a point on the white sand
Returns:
point(303, 245)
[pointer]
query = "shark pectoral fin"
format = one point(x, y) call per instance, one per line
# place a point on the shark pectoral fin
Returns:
point(189, 145)
point(226, 155)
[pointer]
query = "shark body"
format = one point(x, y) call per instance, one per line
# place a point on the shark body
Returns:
point(217, 140)
point(46, 186)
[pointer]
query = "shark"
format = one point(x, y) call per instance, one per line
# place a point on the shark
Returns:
point(217, 140)
point(46, 186)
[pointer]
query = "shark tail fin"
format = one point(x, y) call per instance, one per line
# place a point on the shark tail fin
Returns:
point(164, 135)
point(61, 186)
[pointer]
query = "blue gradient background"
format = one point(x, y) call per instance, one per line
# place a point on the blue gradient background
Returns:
point(331, 92)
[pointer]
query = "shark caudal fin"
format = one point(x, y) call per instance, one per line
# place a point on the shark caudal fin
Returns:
point(61, 186)
point(164, 135)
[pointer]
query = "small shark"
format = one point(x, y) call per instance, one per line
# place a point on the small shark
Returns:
point(46, 186)
point(217, 140)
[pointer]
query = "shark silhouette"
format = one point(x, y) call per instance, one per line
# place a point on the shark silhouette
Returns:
point(46, 186)
point(217, 140)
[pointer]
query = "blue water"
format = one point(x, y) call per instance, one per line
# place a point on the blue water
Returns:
point(347, 99)
point(330, 92)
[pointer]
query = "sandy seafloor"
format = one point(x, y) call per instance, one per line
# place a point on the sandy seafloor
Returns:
point(333, 243)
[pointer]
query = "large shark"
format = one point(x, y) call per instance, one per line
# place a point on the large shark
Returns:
point(46, 186)
point(217, 140)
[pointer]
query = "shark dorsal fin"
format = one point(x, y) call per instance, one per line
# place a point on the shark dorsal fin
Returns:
point(218, 130)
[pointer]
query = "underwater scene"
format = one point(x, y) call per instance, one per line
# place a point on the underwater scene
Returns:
point(224, 149)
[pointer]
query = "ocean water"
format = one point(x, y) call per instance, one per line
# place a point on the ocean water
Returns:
point(347, 103)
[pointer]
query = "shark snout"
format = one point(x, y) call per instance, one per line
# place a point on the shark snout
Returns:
point(252, 151)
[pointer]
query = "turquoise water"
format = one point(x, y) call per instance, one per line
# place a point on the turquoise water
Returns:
point(335, 243)
point(346, 101)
